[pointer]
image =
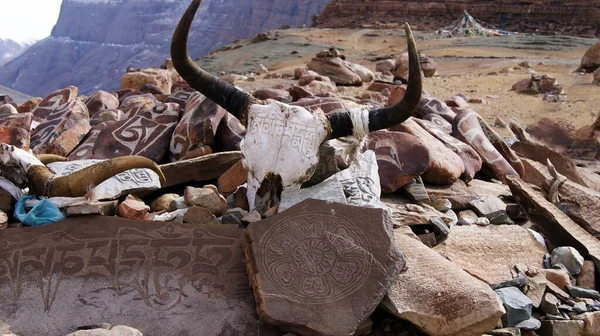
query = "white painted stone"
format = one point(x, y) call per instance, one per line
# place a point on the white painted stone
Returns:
point(361, 182)
point(283, 140)
point(127, 182)
point(328, 190)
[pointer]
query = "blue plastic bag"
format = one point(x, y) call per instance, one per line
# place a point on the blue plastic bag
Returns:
point(43, 213)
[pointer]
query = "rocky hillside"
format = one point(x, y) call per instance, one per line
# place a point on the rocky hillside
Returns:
point(10, 49)
point(579, 17)
point(94, 41)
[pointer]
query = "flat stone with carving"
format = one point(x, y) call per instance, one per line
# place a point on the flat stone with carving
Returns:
point(321, 268)
point(160, 278)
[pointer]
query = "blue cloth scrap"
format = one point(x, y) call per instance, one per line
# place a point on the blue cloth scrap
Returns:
point(43, 213)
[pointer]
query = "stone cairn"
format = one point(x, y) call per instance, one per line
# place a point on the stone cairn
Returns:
point(437, 226)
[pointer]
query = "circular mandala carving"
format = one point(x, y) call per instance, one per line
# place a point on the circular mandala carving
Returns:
point(315, 258)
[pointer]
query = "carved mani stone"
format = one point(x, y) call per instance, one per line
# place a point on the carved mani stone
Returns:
point(197, 127)
point(15, 136)
point(101, 100)
point(466, 128)
point(147, 134)
point(321, 268)
point(400, 157)
point(160, 278)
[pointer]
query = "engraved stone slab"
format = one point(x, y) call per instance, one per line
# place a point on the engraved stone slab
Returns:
point(147, 134)
point(126, 182)
point(321, 268)
point(160, 278)
point(197, 127)
point(438, 296)
point(488, 253)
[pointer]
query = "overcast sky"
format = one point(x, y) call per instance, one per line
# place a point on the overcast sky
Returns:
point(24, 20)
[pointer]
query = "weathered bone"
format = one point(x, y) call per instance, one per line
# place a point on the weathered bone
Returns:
point(283, 140)
point(25, 169)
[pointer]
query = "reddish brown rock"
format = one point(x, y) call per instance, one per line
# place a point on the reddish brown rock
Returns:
point(101, 100)
point(29, 105)
point(139, 135)
point(471, 160)
point(387, 65)
point(276, 94)
point(591, 59)
point(489, 252)
point(199, 215)
point(400, 158)
point(21, 120)
point(430, 104)
point(466, 128)
point(317, 273)
point(336, 69)
point(446, 165)
point(587, 277)
point(57, 100)
point(440, 122)
point(61, 129)
point(596, 77)
point(379, 86)
point(233, 178)
point(229, 134)
point(298, 72)
point(15, 136)
point(396, 94)
point(556, 225)
point(197, 127)
point(373, 96)
point(132, 208)
point(502, 147)
point(85, 149)
point(298, 92)
point(553, 131)
point(437, 296)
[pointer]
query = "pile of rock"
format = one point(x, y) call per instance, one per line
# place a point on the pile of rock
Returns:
point(471, 235)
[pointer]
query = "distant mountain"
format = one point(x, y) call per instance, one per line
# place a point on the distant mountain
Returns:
point(94, 41)
point(10, 49)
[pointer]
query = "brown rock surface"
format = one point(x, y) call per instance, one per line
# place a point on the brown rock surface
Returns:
point(197, 127)
point(101, 100)
point(206, 197)
point(199, 215)
point(153, 276)
point(483, 252)
point(233, 178)
point(471, 160)
point(438, 296)
point(29, 105)
point(555, 224)
point(132, 208)
point(15, 136)
point(317, 273)
point(466, 128)
point(400, 158)
point(446, 166)
point(336, 69)
point(591, 59)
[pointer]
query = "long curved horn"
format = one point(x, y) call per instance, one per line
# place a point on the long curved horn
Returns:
point(341, 124)
point(227, 96)
point(44, 183)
